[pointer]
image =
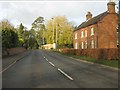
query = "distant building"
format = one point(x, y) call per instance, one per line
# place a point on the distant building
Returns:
point(47, 46)
point(99, 31)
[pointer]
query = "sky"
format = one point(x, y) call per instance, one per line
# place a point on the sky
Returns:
point(27, 11)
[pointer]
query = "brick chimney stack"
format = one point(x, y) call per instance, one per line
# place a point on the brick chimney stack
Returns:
point(88, 16)
point(111, 6)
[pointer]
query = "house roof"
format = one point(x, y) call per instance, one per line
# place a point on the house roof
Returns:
point(91, 21)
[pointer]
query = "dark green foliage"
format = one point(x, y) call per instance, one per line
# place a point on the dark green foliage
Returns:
point(9, 38)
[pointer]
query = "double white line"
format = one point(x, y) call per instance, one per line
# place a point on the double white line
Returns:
point(61, 71)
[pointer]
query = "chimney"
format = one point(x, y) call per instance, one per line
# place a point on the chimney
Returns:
point(111, 6)
point(88, 16)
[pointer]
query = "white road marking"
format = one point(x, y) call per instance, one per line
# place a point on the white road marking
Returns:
point(8, 67)
point(46, 59)
point(65, 74)
point(52, 64)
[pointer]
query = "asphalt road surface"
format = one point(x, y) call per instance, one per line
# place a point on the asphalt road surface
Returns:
point(46, 69)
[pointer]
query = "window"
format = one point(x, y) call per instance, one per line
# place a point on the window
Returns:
point(76, 46)
point(82, 45)
point(117, 39)
point(92, 44)
point(85, 44)
point(82, 34)
point(92, 31)
point(85, 33)
point(75, 35)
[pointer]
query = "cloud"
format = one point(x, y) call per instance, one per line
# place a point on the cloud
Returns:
point(27, 11)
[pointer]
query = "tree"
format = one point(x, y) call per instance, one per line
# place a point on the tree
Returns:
point(38, 29)
point(59, 30)
point(9, 35)
point(20, 34)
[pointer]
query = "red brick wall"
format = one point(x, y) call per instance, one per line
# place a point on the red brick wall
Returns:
point(13, 51)
point(108, 32)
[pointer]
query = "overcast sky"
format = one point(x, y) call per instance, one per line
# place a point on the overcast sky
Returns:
point(27, 11)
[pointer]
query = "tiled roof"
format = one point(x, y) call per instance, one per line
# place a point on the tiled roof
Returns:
point(91, 21)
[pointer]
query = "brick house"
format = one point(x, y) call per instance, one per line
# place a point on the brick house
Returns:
point(99, 31)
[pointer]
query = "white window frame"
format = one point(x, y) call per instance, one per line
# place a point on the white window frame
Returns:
point(85, 44)
point(117, 39)
point(92, 31)
point(92, 44)
point(85, 33)
point(82, 34)
point(82, 45)
point(76, 45)
point(75, 35)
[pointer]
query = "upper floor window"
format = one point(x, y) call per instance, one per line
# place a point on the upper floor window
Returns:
point(92, 44)
point(82, 34)
point(75, 35)
point(85, 33)
point(92, 31)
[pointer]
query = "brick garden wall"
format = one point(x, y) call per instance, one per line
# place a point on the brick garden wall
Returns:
point(13, 51)
point(108, 54)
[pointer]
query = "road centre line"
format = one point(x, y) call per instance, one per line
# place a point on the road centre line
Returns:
point(65, 74)
point(52, 64)
point(61, 71)
point(46, 59)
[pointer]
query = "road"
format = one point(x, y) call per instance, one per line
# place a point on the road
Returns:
point(46, 69)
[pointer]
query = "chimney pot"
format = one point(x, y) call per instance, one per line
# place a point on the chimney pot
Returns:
point(88, 16)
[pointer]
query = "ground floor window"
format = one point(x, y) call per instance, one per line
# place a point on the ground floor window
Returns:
point(92, 44)
point(76, 45)
point(85, 44)
point(82, 45)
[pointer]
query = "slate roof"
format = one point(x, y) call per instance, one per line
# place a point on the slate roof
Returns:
point(91, 21)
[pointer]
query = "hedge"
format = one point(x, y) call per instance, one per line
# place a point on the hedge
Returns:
point(102, 53)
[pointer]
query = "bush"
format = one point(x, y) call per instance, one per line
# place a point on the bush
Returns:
point(9, 38)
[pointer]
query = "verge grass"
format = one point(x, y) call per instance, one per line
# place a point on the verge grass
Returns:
point(112, 63)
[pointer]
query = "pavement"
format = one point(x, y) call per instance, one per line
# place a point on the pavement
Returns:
point(46, 69)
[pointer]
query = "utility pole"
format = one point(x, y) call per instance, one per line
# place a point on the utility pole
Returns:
point(56, 34)
point(43, 33)
point(54, 44)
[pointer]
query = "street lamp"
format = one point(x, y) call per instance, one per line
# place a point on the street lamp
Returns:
point(54, 44)
point(43, 32)
point(54, 34)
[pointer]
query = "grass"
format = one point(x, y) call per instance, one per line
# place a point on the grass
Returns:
point(112, 63)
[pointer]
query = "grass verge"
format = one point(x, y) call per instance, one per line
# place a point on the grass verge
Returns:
point(112, 63)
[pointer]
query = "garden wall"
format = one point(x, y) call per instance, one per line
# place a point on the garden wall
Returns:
point(109, 54)
point(13, 51)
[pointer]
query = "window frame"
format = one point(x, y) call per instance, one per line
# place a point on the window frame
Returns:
point(82, 34)
point(82, 45)
point(92, 44)
point(76, 35)
point(85, 33)
point(92, 31)
point(76, 45)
